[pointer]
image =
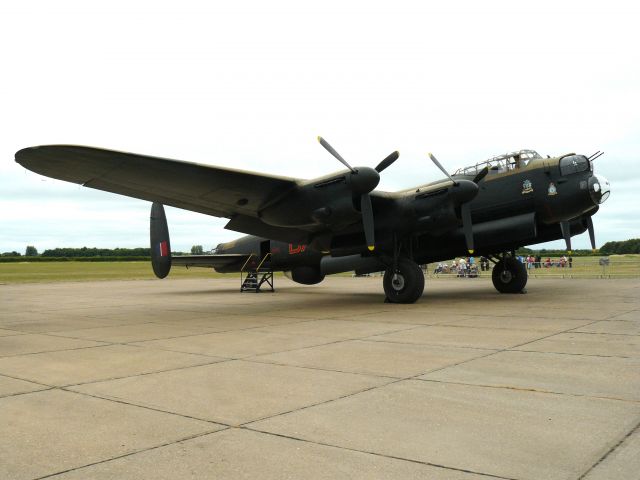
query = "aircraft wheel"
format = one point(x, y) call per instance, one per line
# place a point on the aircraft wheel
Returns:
point(405, 284)
point(509, 276)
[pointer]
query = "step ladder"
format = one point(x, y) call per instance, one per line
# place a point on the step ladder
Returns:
point(252, 279)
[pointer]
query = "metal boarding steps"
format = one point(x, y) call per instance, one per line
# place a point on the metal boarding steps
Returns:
point(252, 279)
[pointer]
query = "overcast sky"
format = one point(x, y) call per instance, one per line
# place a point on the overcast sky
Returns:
point(251, 84)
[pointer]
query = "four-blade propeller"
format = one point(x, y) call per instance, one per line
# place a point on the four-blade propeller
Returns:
point(363, 181)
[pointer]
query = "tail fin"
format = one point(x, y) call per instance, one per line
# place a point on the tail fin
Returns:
point(160, 246)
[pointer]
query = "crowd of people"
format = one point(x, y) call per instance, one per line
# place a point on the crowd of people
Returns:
point(468, 266)
point(535, 261)
point(464, 267)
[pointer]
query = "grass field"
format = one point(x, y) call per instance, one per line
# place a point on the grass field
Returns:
point(26, 272)
point(621, 266)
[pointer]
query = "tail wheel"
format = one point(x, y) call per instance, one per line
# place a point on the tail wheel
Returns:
point(404, 284)
point(509, 275)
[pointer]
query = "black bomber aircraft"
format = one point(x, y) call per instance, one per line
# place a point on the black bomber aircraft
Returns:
point(340, 223)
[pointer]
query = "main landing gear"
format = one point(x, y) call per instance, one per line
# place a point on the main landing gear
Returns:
point(403, 283)
point(509, 275)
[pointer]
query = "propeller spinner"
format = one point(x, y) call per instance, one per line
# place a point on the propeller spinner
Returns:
point(363, 181)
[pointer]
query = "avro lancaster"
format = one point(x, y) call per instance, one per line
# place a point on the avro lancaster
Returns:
point(340, 222)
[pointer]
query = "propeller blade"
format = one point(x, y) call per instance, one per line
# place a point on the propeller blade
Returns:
point(481, 174)
point(437, 163)
point(467, 226)
point(367, 220)
point(387, 161)
point(332, 151)
point(592, 234)
point(566, 233)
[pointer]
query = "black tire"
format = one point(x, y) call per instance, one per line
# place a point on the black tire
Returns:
point(406, 284)
point(509, 276)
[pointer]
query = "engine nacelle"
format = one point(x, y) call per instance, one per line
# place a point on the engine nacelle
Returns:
point(304, 275)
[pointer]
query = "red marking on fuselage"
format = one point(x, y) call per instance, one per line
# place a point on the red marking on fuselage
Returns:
point(297, 249)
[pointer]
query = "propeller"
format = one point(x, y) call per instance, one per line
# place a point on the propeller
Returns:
point(467, 226)
point(437, 163)
point(333, 152)
point(480, 175)
point(465, 208)
point(363, 181)
point(566, 233)
point(387, 161)
point(592, 234)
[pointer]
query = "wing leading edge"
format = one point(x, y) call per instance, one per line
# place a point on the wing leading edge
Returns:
point(222, 192)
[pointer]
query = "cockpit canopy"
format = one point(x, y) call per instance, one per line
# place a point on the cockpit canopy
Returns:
point(501, 163)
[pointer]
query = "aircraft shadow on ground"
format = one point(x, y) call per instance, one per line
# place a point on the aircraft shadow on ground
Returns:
point(322, 296)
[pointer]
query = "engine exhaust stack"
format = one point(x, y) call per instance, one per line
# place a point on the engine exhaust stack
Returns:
point(160, 245)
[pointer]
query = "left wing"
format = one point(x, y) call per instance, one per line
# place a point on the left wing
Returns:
point(241, 196)
point(222, 192)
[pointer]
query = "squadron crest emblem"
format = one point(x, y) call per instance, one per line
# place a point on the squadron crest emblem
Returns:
point(552, 189)
point(527, 187)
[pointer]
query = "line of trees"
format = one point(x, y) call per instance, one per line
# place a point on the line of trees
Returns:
point(79, 254)
point(97, 252)
point(627, 246)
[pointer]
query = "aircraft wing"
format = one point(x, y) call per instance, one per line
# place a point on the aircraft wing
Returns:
point(222, 192)
point(210, 261)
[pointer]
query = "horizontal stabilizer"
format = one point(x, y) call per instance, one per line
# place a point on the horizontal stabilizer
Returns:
point(210, 261)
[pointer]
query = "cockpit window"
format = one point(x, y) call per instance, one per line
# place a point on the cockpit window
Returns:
point(573, 164)
point(502, 163)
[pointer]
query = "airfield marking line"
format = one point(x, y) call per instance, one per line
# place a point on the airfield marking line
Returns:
point(184, 439)
point(342, 340)
point(24, 393)
point(55, 333)
point(332, 342)
point(442, 345)
point(26, 380)
point(610, 451)
point(568, 353)
point(146, 407)
point(527, 389)
point(142, 374)
point(50, 332)
point(323, 402)
point(322, 369)
point(88, 307)
point(377, 454)
point(256, 327)
point(624, 313)
point(106, 344)
point(607, 333)
point(520, 329)
point(18, 332)
point(528, 317)
point(500, 350)
point(341, 316)
point(568, 330)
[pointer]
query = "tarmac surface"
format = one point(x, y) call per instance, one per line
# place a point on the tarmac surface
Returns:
point(191, 379)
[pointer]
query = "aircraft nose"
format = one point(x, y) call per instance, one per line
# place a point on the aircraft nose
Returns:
point(599, 188)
